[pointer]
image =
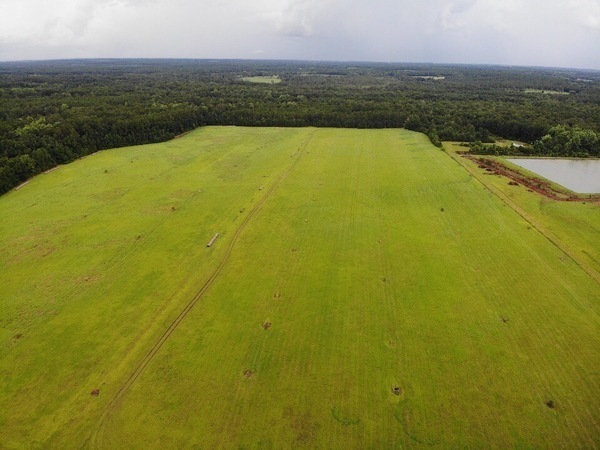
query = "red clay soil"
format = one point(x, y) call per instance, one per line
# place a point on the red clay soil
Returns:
point(534, 184)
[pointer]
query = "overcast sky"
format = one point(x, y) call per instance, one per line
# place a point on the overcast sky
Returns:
point(562, 33)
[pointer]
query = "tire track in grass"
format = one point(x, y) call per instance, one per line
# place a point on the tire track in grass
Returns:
point(205, 287)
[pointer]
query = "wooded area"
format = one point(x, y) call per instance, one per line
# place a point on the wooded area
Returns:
point(54, 112)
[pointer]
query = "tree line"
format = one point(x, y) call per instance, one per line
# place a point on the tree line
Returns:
point(54, 112)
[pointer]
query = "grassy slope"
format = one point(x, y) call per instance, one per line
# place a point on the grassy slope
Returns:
point(94, 264)
point(367, 283)
point(577, 224)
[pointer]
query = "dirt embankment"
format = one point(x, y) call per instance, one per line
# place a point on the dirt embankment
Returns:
point(543, 187)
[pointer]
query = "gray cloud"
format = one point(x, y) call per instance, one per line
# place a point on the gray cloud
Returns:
point(526, 32)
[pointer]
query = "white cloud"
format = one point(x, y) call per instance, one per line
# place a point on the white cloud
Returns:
point(455, 15)
point(587, 12)
point(42, 22)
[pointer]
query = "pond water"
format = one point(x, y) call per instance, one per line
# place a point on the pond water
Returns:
point(578, 175)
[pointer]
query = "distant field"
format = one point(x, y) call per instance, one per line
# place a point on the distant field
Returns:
point(366, 291)
point(545, 91)
point(265, 80)
point(429, 77)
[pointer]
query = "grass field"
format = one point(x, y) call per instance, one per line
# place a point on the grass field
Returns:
point(575, 224)
point(263, 80)
point(545, 91)
point(366, 291)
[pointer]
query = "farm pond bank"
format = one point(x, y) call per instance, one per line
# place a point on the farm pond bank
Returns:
point(578, 175)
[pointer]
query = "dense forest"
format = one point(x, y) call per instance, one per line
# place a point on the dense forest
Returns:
point(54, 112)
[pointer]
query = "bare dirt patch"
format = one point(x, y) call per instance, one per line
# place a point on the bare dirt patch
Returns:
point(397, 390)
point(95, 392)
point(248, 373)
point(55, 168)
point(267, 325)
point(22, 184)
point(532, 184)
point(88, 279)
point(179, 136)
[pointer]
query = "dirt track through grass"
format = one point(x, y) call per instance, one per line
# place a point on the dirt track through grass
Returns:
point(213, 276)
point(379, 263)
point(367, 293)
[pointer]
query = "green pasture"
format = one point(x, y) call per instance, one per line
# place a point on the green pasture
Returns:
point(274, 79)
point(577, 224)
point(366, 291)
point(545, 91)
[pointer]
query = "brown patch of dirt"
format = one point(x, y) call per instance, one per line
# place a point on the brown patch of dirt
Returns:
point(95, 392)
point(18, 336)
point(21, 185)
point(550, 404)
point(248, 373)
point(47, 251)
point(88, 279)
point(396, 390)
point(533, 184)
point(305, 427)
point(267, 325)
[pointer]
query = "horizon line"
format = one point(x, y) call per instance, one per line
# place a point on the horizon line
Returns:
point(312, 61)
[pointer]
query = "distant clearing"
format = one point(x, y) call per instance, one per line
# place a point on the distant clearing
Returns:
point(546, 92)
point(366, 290)
point(429, 77)
point(264, 80)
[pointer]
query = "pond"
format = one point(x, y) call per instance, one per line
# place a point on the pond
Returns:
point(578, 175)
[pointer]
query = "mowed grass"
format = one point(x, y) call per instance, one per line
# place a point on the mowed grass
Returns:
point(377, 260)
point(577, 224)
point(263, 79)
